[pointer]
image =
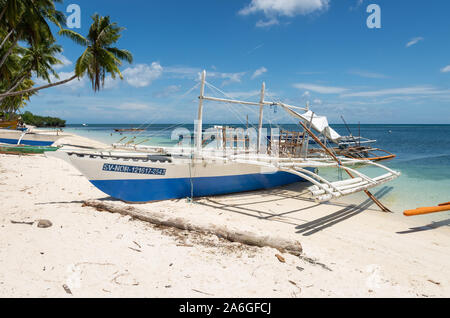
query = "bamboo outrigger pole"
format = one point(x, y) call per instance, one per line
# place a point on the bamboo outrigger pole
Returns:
point(370, 195)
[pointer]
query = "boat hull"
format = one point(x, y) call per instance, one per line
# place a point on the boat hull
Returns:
point(134, 180)
point(133, 190)
point(12, 137)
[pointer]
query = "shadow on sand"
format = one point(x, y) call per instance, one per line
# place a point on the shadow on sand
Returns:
point(283, 193)
point(320, 224)
point(431, 226)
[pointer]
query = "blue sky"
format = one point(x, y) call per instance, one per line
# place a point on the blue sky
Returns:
point(319, 51)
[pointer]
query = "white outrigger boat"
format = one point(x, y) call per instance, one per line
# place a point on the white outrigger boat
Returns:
point(135, 173)
point(28, 137)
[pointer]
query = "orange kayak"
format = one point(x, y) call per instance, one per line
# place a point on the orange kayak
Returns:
point(435, 209)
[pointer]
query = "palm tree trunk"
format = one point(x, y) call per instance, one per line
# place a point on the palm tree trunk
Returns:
point(10, 49)
point(6, 38)
point(19, 81)
point(35, 89)
point(3, 12)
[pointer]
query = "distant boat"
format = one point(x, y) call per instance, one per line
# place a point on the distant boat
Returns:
point(84, 125)
point(128, 129)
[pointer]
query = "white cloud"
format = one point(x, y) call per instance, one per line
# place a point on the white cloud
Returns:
point(182, 71)
point(167, 92)
point(445, 69)
point(414, 90)
point(321, 89)
point(111, 83)
point(260, 71)
point(288, 8)
point(65, 62)
point(142, 75)
point(229, 77)
point(267, 23)
point(367, 74)
point(414, 41)
point(72, 85)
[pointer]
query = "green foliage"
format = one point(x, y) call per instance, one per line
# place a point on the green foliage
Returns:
point(39, 121)
point(99, 57)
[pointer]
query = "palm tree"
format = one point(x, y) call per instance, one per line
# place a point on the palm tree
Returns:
point(99, 57)
point(38, 60)
point(26, 20)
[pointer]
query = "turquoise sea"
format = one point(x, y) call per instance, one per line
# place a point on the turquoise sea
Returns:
point(423, 156)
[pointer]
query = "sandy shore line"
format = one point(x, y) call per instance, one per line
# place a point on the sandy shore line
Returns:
point(349, 250)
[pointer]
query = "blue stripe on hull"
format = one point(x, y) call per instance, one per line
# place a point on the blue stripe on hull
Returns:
point(164, 189)
point(26, 142)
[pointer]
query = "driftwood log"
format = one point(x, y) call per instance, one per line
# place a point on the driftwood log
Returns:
point(221, 231)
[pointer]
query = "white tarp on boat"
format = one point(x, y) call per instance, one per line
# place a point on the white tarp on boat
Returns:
point(318, 123)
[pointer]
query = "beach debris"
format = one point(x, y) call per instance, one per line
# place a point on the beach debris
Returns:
point(43, 224)
point(301, 269)
point(314, 262)
point(244, 237)
point(434, 282)
point(137, 244)
point(135, 249)
point(22, 222)
point(67, 289)
point(200, 292)
point(125, 279)
point(280, 258)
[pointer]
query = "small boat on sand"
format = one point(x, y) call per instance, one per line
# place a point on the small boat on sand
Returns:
point(29, 138)
point(226, 164)
point(12, 124)
point(25, 150)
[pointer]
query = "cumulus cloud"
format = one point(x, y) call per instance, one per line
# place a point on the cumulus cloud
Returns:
point(229, 78)
point(414, 41)
point(260, 71)
point(445, 69)
point(142, 75)
point(288, 8)
point(65, 61)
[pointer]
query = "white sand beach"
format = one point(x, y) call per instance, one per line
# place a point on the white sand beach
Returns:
point(348, 250)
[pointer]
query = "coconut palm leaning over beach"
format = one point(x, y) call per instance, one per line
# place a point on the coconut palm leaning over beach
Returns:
point(99, 58)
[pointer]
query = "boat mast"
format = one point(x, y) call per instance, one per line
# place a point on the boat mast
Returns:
point(261, 113)
point(200, 114)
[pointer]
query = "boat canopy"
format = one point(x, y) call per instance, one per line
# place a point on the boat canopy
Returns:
point(318, 123)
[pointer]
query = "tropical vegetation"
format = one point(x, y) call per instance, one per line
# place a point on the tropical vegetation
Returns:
point(29, 50)
point(40, 121)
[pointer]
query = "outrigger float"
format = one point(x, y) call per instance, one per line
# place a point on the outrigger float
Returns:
point(216, 166)
point(428, 210)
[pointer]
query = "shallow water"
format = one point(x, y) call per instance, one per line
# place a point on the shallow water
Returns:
point(423, 157)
